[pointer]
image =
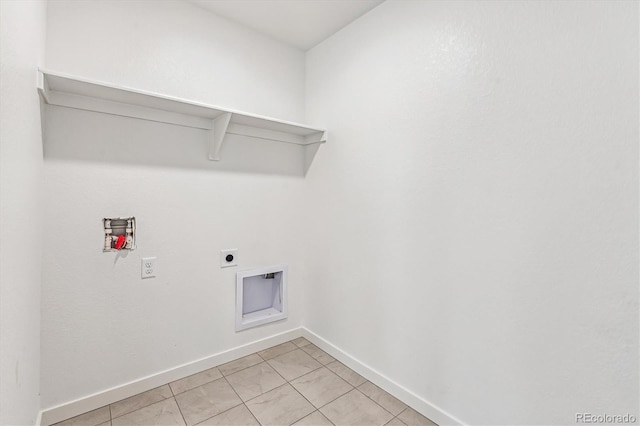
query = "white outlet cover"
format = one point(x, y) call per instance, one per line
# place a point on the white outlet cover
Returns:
point(224, 263)
point(148, 267)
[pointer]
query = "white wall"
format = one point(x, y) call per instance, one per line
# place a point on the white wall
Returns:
point(22, 42)
point(176, 48)
point(478, 241)
point(102, 325)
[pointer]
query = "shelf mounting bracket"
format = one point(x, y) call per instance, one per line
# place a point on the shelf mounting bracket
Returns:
point(218, 130)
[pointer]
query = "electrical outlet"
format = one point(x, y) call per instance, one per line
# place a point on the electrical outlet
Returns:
point(148, 267)
point(228, 257)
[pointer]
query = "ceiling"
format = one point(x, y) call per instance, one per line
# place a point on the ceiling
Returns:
point(299, 23)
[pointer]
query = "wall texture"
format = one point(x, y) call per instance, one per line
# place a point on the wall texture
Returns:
point(479, 204)
point(22, 42)
point(471, 230)
point(102, 325)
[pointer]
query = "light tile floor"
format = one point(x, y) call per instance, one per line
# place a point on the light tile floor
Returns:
point(295, 383)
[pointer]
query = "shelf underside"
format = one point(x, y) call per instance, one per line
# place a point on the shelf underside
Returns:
point(72, 92)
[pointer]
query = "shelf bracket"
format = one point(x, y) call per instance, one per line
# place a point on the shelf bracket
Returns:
point(218, 130)
point(316, 138)
point(313, 144)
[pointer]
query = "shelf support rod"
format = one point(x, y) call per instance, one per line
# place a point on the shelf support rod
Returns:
point(218, 130)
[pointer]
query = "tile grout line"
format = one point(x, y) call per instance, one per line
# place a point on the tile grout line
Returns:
point(236, 393)
point(228, 409)
point(305, 398)
point(396, 418)
point(277, 387)
point(309, 372)
point(352, 386)
point(317, 410)
point(286, 352)
point(286, 382)
point(300, 393)
point(87, 412)
point(324, 405)
point(297, 377)
point(223, 376)
point(179, 409)
point(195, 374)
point(251, 412)
point(313, 354)
point(366, 396)
point(295, 390)
point(406, 410)
point(242, 369)
point(274, 369)
point(141, 407)
point(300, 347)
point(339, 396)
point(221, 373)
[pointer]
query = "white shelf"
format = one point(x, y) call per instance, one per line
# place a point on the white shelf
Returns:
point(79, 93)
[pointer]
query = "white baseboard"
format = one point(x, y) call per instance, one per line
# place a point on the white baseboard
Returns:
point(419, 404)
point(70, 409)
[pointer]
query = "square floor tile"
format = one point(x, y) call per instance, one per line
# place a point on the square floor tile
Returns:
point(411, 417)
point(300, 342)
point(280, 406)
point(207, 401)
point(140, 400)
point(92, 418)
point(237, 416)
point(384, 399)
point(240, 364)
point(318, 354)
point(273, 352)
point(310, 348)
point(316, 395)
point(165, 413)
point(254, 381)
point(294, 364)
point(355, 409)
point(322, 357)
point(195, 380)
point(346, 373)
point(314, 419)
point(321, 386)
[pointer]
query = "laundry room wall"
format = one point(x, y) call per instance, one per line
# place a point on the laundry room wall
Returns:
point(22, 49)
point(478, 243)
point(102, 325)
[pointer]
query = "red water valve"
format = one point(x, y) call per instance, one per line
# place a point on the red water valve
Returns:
point(120, 242)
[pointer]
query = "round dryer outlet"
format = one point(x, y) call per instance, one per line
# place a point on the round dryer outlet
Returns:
point(228, 257)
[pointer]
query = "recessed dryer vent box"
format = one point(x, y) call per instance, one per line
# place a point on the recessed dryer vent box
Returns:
point(261, 296)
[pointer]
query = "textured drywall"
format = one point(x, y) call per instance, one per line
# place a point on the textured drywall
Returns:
point(22, 44)
point(479, 203)
point(176, 49)
point(103, 325)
